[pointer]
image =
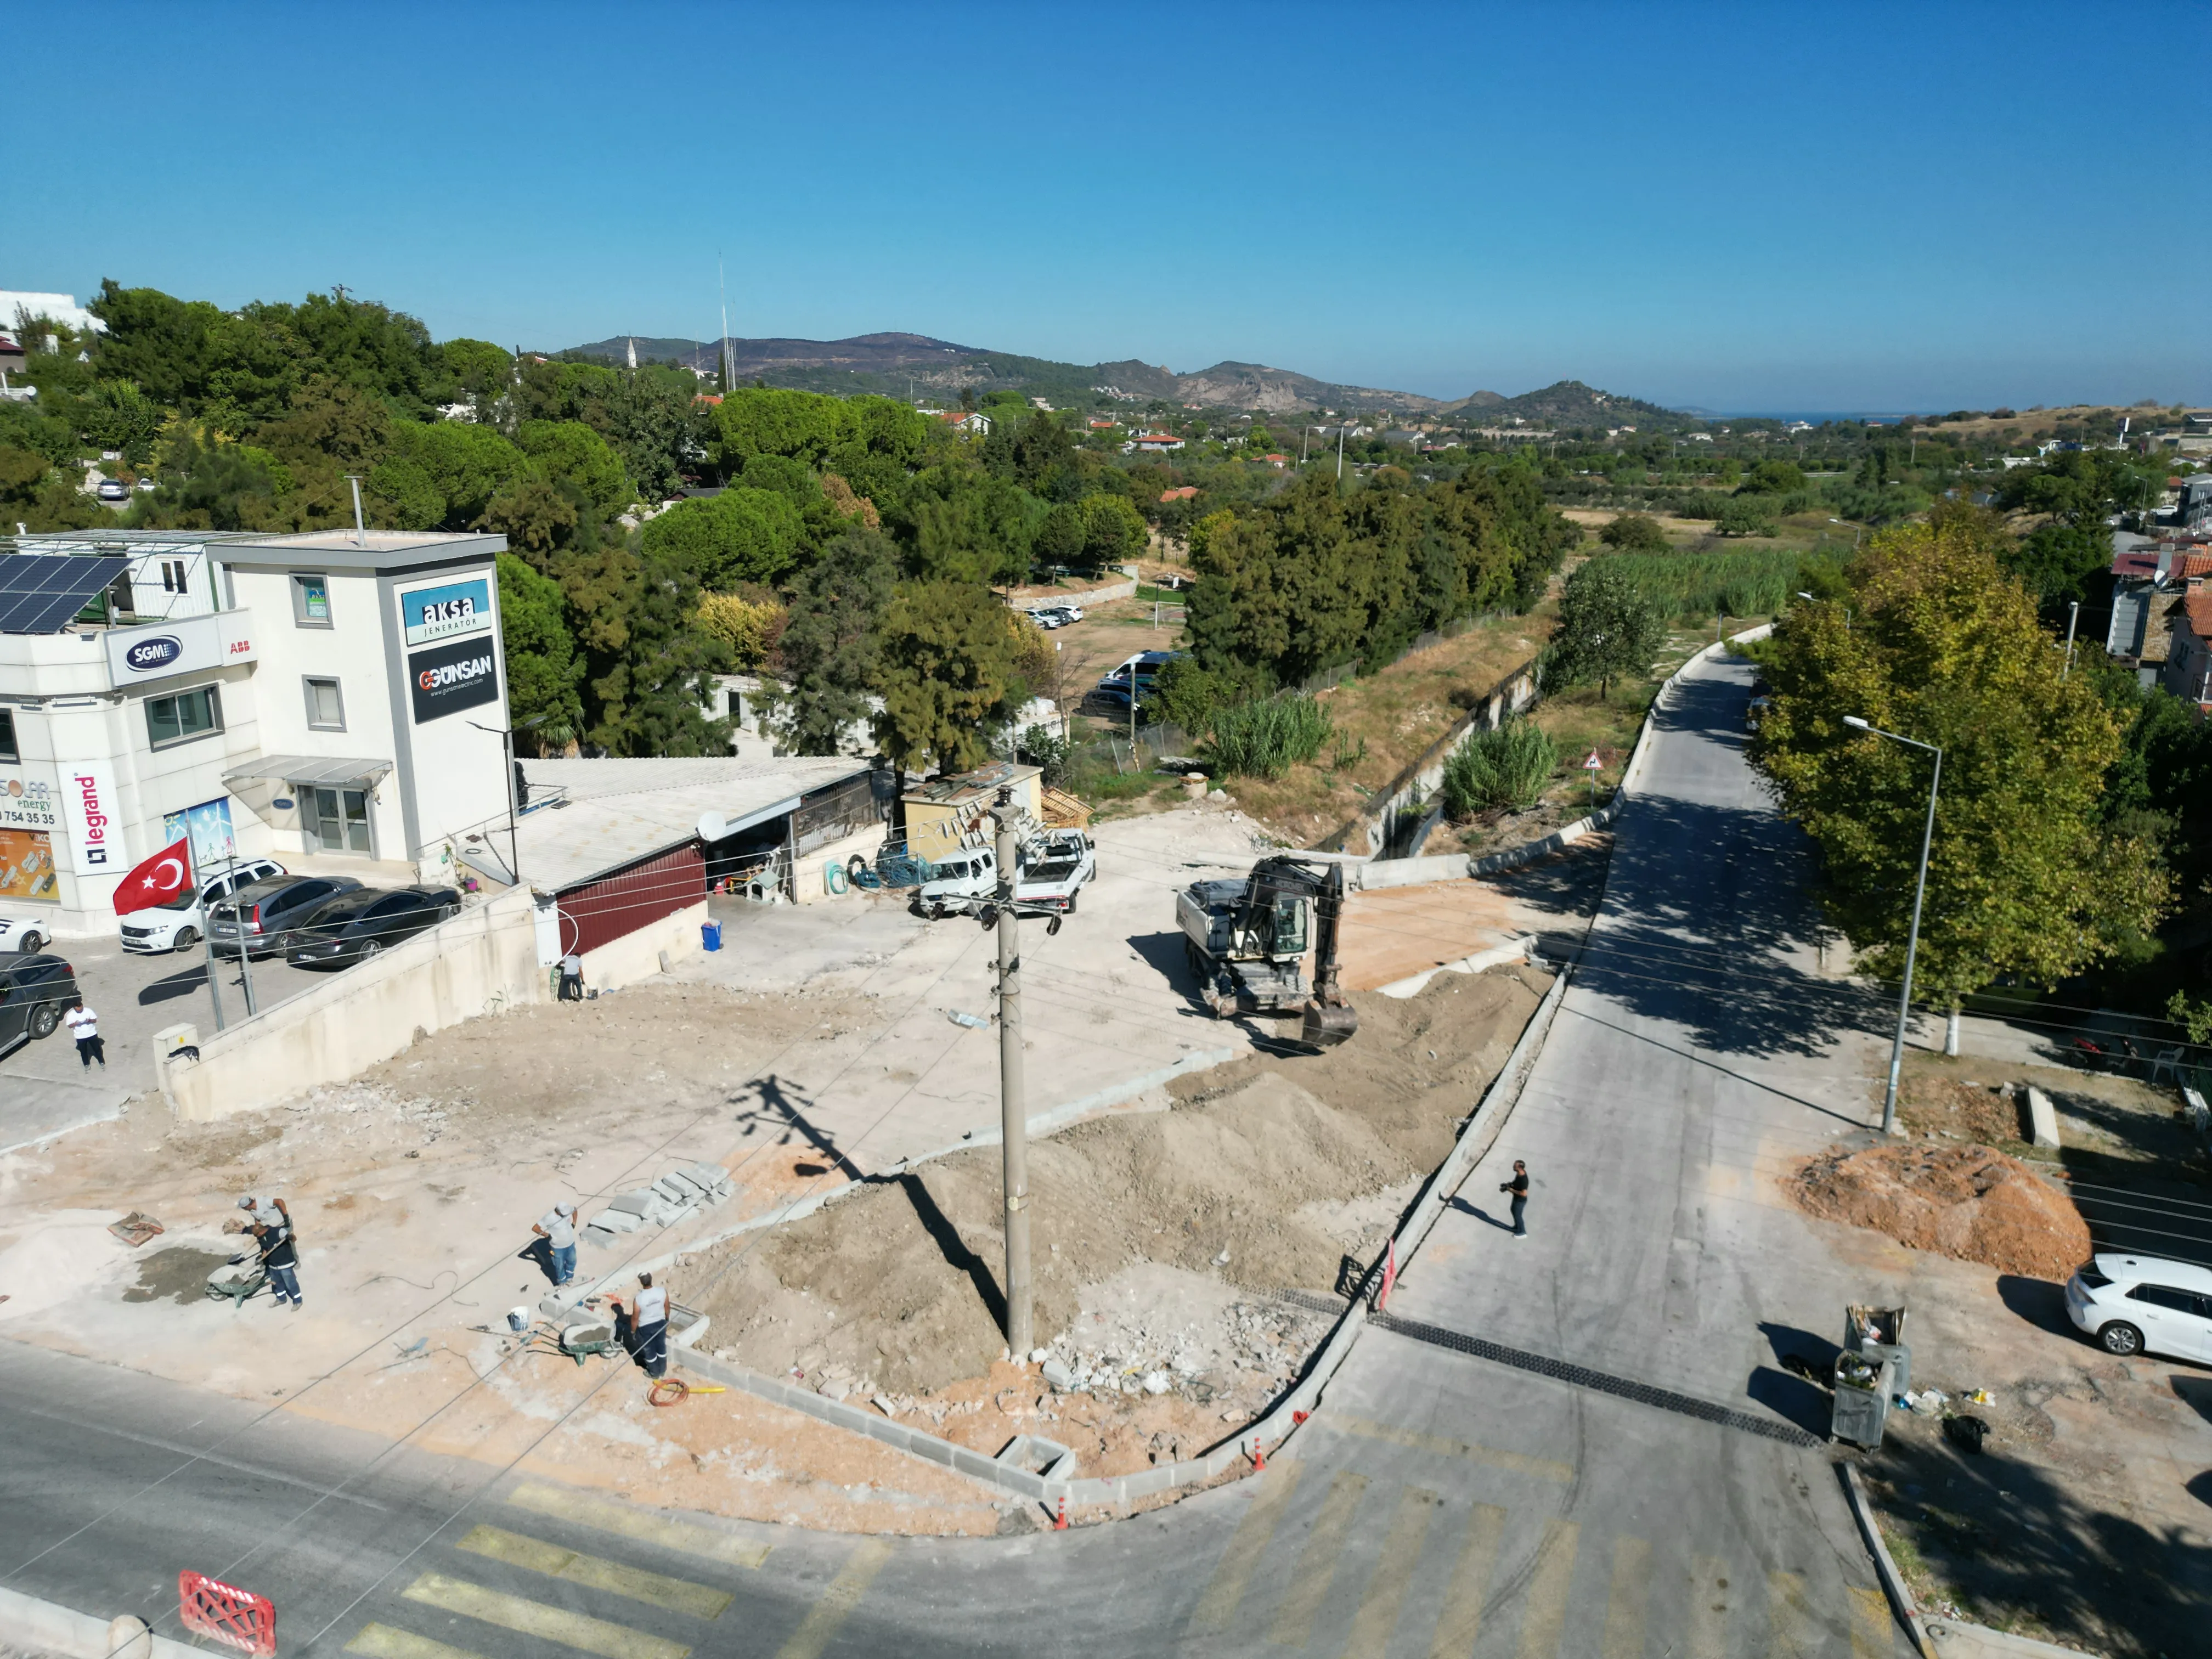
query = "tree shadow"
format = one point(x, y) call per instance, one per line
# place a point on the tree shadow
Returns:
point(954, 1248)
point(1567, 884)
point(2006, 1538)
point(2038, 1301)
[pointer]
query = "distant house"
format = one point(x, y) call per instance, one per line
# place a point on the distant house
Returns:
point(1039, 403)
point(975, 421)
point(1278, 462)
point(1097, 425)
point(2153, 587)
point(1156, 442)
point(1183, 494)
point(2189, 655)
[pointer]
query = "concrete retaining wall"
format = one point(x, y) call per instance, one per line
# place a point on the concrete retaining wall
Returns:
point(1408, 792)
point(1090, 596)
point(482, 961)
point(46, 1627)
point(638, 956)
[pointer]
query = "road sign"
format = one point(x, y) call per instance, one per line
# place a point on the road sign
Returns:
point(1590, 765)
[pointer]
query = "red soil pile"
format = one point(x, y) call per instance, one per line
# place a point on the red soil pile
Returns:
point(1968, 1202)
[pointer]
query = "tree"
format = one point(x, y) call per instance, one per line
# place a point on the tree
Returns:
point(828, 651)
point(573, 452)
point(1746, 515)
point(650, 669)
point(739, 535)
point(2026, 875)
point(1113, 531)
point(750, 625)
point(946, 672)
point(1608, 629)
point(1634, 532)
point(543, 668)
point(1775, 478)
point(960, 524)
point(443, 474)
point(118, 416)
point(536, 515)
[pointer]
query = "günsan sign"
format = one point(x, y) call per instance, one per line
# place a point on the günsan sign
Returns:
point(187, 645)
point(451, 678)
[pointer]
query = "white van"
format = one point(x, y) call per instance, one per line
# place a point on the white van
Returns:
point(182, 922)
point(1054, 868)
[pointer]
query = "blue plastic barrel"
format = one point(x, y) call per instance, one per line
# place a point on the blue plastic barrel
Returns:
point(710, 935)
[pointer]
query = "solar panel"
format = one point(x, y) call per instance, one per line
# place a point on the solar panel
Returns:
point(42, 593)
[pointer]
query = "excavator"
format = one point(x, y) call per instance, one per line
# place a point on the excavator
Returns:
point(1247, 940)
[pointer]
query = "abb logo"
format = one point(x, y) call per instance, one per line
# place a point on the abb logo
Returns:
point(239, 645)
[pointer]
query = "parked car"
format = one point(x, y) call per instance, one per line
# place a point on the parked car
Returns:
point(182, 922)
point(259, 912)
point(1055, 616)
point(22, 932)
point(113, 489)
point(34, 990)
point(354, 927)
point(1054, 868)
point(2141, 1305)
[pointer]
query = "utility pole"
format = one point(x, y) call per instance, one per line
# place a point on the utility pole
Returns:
point(1339, 452)
point(2073, 618)
point(1012, 1107)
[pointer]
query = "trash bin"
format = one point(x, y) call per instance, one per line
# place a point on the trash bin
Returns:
point(1879, 1333)
point(710, 935)
point(1863, 1387)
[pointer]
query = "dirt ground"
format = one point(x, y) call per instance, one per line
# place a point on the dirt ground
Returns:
point(1158, 1239)
point(1967, 1202)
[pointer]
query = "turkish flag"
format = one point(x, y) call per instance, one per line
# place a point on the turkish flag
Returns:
point(157, 881)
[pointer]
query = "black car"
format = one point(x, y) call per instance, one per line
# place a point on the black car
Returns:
point(352, 927)
point(261, 911)
point(35, 991)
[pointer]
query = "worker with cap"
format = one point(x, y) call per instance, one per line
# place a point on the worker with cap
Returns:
point(260, 1208)
point(557, 1227)
point(648, 1326)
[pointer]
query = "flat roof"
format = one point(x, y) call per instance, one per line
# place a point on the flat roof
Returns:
point(376, 550)
point(618, 812)
point(965, 786)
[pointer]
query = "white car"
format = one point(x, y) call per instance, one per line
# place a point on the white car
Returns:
point(2141, 1305)
point(1055, 866)
point(21, 933)
point(182, 922)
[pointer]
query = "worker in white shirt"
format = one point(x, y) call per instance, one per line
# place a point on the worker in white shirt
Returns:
point(84, 1026)
point(648, 1326)
point(557, 1227)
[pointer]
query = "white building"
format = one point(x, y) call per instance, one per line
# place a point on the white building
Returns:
point(335, 700)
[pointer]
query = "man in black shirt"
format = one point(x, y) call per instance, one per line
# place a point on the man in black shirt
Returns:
point(1519, 1187)
point(279, 1257)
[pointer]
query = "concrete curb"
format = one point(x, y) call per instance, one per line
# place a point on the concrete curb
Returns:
point(1414, 984)
point(1892, 1581)
point(1281, 1420)
point(26, 1621)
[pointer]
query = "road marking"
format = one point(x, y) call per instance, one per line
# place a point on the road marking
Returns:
point(515, 1612)
point(1461, 1621)
point(1624, 1601)
point(1874, 1634)
point(844, 1595)
point(656, 1590)
point(1318, 1565)
point(606, 1515)
point(1517, 1462)
point(1217, 1604)
point(1547, 1614)
point(1789, 1618)
point(1386, 1591)
point(383, 1641)
point(1709, 1608)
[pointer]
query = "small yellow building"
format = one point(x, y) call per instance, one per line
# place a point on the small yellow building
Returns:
point(948, 813)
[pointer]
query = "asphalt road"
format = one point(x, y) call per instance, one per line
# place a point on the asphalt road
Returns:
point(1439, 1504)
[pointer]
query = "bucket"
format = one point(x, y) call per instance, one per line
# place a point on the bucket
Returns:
point(710, 935)
point(518, 1319)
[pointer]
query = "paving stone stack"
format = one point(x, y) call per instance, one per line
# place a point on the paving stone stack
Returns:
point(676, 1196)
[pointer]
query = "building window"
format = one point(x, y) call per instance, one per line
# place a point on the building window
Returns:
point(187, 715)
point(7, 749)
point(311, 601)
point(326, 708)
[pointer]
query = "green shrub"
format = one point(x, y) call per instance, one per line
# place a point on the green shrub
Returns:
point(1634, 532)
point(1266, 740)
point(1746, 584)
point(1507, 767)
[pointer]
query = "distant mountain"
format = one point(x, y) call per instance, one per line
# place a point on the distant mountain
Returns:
point(903, 365)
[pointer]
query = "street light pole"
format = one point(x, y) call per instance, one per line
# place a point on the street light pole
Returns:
point(2073, 619)
point(1912, 938)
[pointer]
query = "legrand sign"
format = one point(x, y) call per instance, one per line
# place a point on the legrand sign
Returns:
point(88, 809)
point(183, 645)
point(446, 611)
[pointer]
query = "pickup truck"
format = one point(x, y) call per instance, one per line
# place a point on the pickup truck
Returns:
point(1053, 868)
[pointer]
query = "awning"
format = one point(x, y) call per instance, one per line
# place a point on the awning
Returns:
point(328, 771)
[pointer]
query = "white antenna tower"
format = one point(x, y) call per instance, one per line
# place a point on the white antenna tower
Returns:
point(633, 352)
point(729, 369)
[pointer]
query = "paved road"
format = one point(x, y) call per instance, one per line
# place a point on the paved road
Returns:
point(1440, 1504)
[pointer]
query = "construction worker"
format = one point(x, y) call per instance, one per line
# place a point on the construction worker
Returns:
point(280, 1259)
point(648, 1326)
point(557, 1227)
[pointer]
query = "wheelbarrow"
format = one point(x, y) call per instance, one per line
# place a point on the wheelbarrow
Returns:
point(234, 1281)
point(590, 1337)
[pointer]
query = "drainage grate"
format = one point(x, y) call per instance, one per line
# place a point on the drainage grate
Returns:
point(1581, 1376)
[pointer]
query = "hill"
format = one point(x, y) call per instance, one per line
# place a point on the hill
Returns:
point(918, 365)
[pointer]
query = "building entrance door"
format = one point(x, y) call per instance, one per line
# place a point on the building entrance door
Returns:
point(341, 820)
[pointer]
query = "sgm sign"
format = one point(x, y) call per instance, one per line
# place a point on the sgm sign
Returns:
point(183, 645)
point(451, 677)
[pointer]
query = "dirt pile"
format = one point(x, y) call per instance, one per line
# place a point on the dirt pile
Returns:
point(1971, 1203)
point(1242, 1182)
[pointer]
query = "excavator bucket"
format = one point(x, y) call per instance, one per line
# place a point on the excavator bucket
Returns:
point(1326, 1024)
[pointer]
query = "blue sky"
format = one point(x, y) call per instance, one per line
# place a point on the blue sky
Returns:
point(1738, 208)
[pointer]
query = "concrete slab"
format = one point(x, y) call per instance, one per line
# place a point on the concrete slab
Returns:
point(38, 1108)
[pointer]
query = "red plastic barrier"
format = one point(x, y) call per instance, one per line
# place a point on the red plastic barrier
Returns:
point(237, 1618)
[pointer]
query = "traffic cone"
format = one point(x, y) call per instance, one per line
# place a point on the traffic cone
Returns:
point(1060, 1524)
point(1259, 1457)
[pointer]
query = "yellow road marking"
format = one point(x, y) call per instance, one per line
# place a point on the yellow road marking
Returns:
point(1462, 1619)
point(383, 1641)
point(1709, 1608)
point(1874, 1633)
point(1516, 1463)
point(844, 1595)
point(1789, 1619)
point(515, 1612)
point(1624, 1601)
point(1377, 1617)
point(1546, 1616)
point(1217, 1603)
point(1309, 1589)
point(606, 1515)
point(657, 1589)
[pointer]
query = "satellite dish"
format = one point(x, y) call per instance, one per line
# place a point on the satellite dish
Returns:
point(713, 826)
